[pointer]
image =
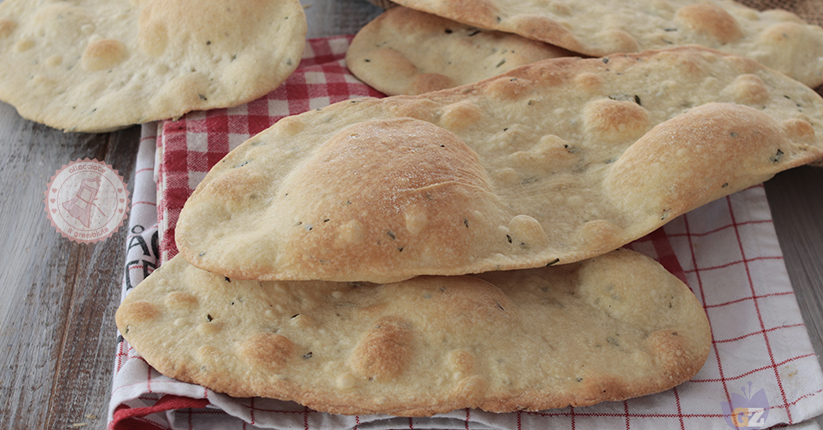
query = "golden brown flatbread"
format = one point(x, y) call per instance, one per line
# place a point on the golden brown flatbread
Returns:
point(404, 51)
point(97, 65)
point(610, 328)
point(776, 38)
point(553, 162)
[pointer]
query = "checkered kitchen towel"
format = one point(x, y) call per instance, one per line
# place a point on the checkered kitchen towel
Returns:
point(727, 252)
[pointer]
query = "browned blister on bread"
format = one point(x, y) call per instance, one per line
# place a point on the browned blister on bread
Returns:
point(404, 51)
point(611, 328)
point(553, 162)
point(95, 65)
point(777, 38)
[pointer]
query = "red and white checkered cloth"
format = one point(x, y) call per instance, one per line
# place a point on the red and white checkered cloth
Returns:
point(727, 252)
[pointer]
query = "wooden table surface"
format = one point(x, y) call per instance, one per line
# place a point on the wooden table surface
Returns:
point(58, 298)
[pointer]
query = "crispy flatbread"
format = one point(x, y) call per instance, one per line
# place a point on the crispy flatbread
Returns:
point(553, 162)
point(611, 328)
point(776, 38)
point(97, 65)
point(404, 51)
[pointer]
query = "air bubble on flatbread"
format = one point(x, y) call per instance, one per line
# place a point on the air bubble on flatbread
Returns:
point(266, 352)
point(95, 66)
point(671, 177)
point(517, 171)
point(710, 20)
point(776, 38)
point(609, 120)
point(606, 329)
point(404, 51)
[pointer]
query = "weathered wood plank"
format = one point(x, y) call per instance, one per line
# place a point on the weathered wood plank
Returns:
point(56, 315)
point(83, 375)
point(796, 199)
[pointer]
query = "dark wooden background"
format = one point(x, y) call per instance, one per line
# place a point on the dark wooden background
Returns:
point(58, 298)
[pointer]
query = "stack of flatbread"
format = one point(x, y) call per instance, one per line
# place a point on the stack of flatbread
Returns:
point(426, 45)
point(462, 248)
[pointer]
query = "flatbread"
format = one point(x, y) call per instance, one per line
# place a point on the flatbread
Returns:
point(404, 51)
point(611, 328)
point(97, 65)
point(777, 38)
point(553, 162)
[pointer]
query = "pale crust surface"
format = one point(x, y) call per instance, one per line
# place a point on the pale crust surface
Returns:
point(611, 328)
point(557, 161)
point(777, 38)
point(404, 51)
point(97, 65)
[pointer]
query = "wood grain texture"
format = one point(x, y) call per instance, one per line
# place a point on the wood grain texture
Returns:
point(335, 17)
point(796, 199)
point(57, 334)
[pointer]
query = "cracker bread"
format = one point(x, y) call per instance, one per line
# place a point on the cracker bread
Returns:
point(95, 65)
point(553, 162)
point(776, 38)
point(611, 328)
point(404, 51)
